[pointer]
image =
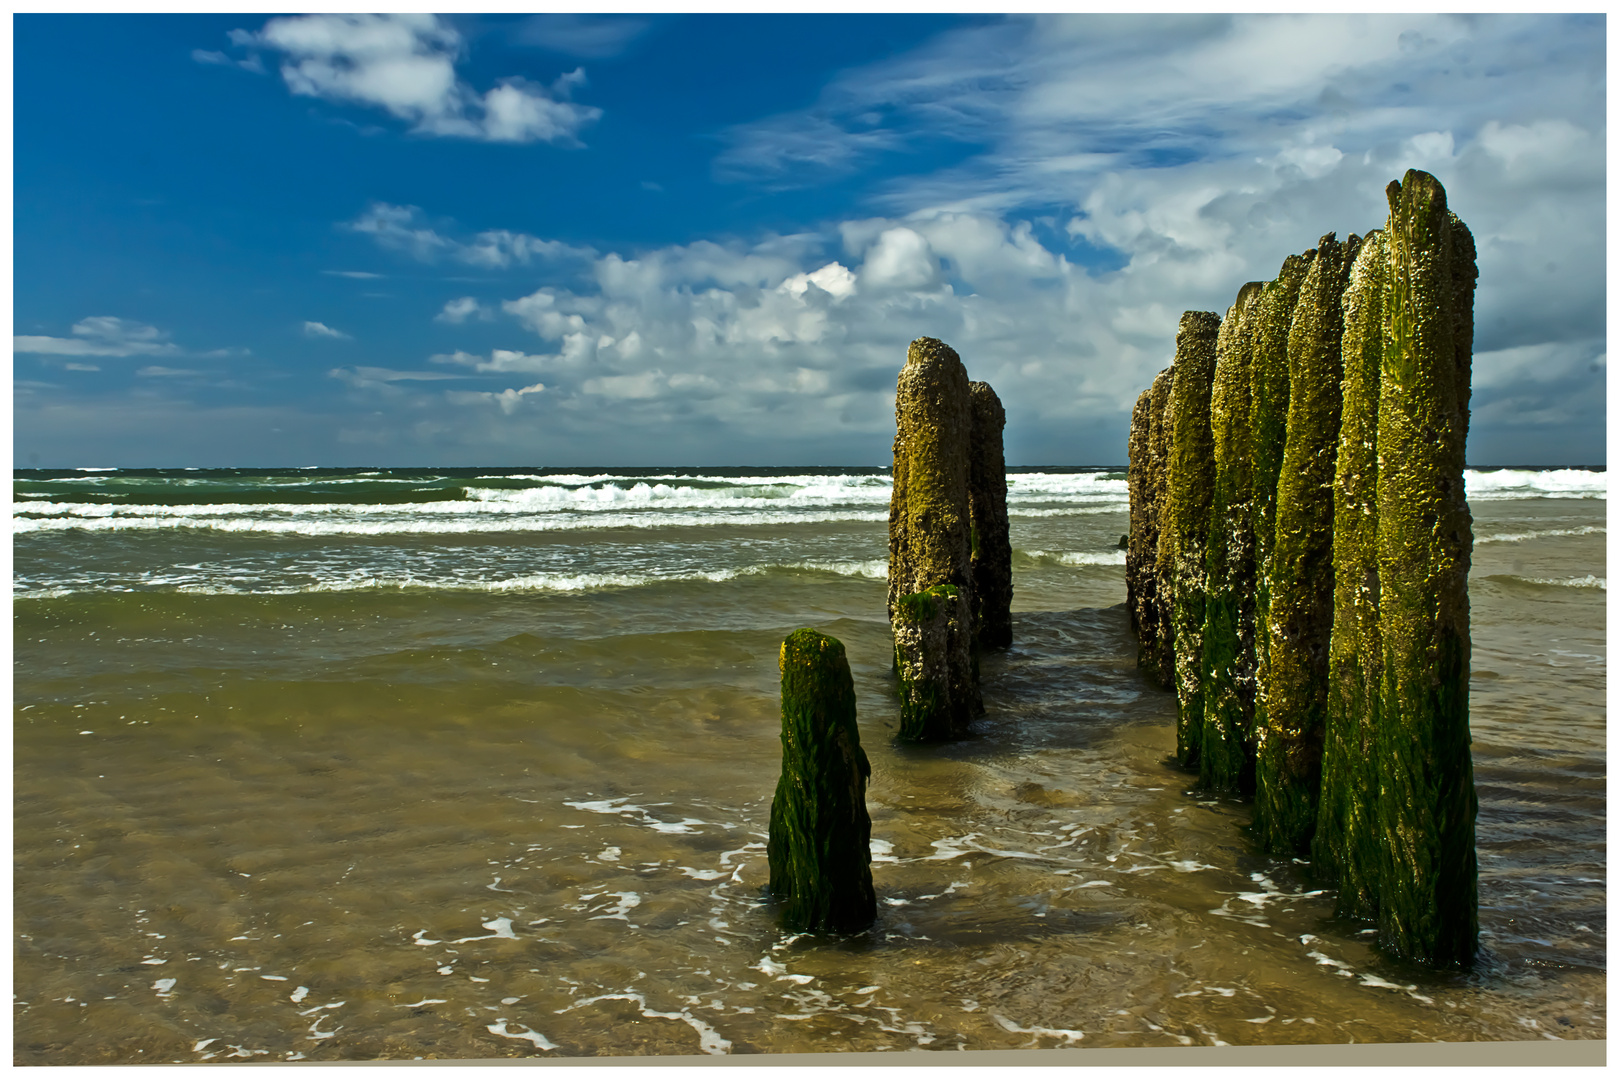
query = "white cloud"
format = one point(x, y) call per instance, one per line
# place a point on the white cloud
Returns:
point(321, 330)
point(460, 310)
point(1059, 251)
point(508, 400)
point(400, 228)
point(901, 259)
point(406, 64)
point(376, 378)
point(157, 371)
point(101, 335)
point(500, 360)
point(361, 275)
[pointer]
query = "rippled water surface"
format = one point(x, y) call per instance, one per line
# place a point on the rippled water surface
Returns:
point(303, 774)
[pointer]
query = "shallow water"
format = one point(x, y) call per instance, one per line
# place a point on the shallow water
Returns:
point(268, 819)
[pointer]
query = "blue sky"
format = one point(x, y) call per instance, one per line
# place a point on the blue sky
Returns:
point(620, 240)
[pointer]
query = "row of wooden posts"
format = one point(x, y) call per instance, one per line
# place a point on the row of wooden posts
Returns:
point(1298, 563)
point(1296, 569)
point(950, 595)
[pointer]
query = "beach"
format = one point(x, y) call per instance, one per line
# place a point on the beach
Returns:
point(348, 764)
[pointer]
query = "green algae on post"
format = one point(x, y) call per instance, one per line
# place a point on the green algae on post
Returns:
point(1345, 849)
point(991, 546)
point(1137, 569)
point(1268, 423)
point(1190, 477)
point(934, 705)
point(930, 542)
point(820, 845)
point(1226, 757)
point(1299, 619)
point(1428, 883)
point(1150, 599)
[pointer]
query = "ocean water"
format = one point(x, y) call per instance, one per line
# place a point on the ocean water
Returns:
point(346, 764)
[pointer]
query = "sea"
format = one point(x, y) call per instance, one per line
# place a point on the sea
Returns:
point(342, 764)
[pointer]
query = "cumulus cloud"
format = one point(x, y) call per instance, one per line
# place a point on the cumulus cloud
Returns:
point(101, 335)
point(321, 330)
point(406, 64)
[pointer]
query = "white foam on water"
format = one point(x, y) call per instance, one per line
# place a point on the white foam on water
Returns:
point(709, 1040)
point(165, 987)
point(954, 847)
point(1588, 581)
point(1535, 484)
point(298, 995)
point(502, 928)
point(424, 1001)
point(1537, 534)
point(528, 1035)
point(621, 910)
point(1081, 558)
point(1067, 1034)
point(882, 851)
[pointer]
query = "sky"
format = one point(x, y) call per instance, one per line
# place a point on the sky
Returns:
point(614, 240)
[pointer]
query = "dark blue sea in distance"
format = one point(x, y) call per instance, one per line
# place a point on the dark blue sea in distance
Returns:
point(331, 764)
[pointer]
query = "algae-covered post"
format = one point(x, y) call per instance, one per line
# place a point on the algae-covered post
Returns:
point(930, 545)
point(1268, 429)
point(1346, 846)
point(1226, 758)
point(987, 506)
point(820, 846)
point(1428, 887)
point(1299, 618)
point(1184, 531)
point(1156, 649)
point(1138, 569)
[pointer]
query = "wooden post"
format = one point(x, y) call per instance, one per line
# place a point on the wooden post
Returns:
point(820, 846)
point(1226, 759)
point(990, 545)
point(930, 544)
point(1185, 532)
point(1428, 888)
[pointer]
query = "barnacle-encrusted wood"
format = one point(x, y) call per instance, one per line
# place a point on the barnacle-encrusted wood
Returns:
point(1184, 530)
point(1428, 887)
point(820, 845)
point(930, 541)
point(1299, 618)
point(1346, 848)
point(1268, 423)
point(1147, 580)
point(991, 545)
point(1226, 754)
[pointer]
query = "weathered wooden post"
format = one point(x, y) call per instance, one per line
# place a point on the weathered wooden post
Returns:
point(990, 541)
point(1288, 765)
point(1190, 476)
point(1226, 759)
point(1268, 423)
point(930, 545)
point(1346, 848)
point(1138, 570)
point(1148, 580)
point(820, 846)
point(1428, 887)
